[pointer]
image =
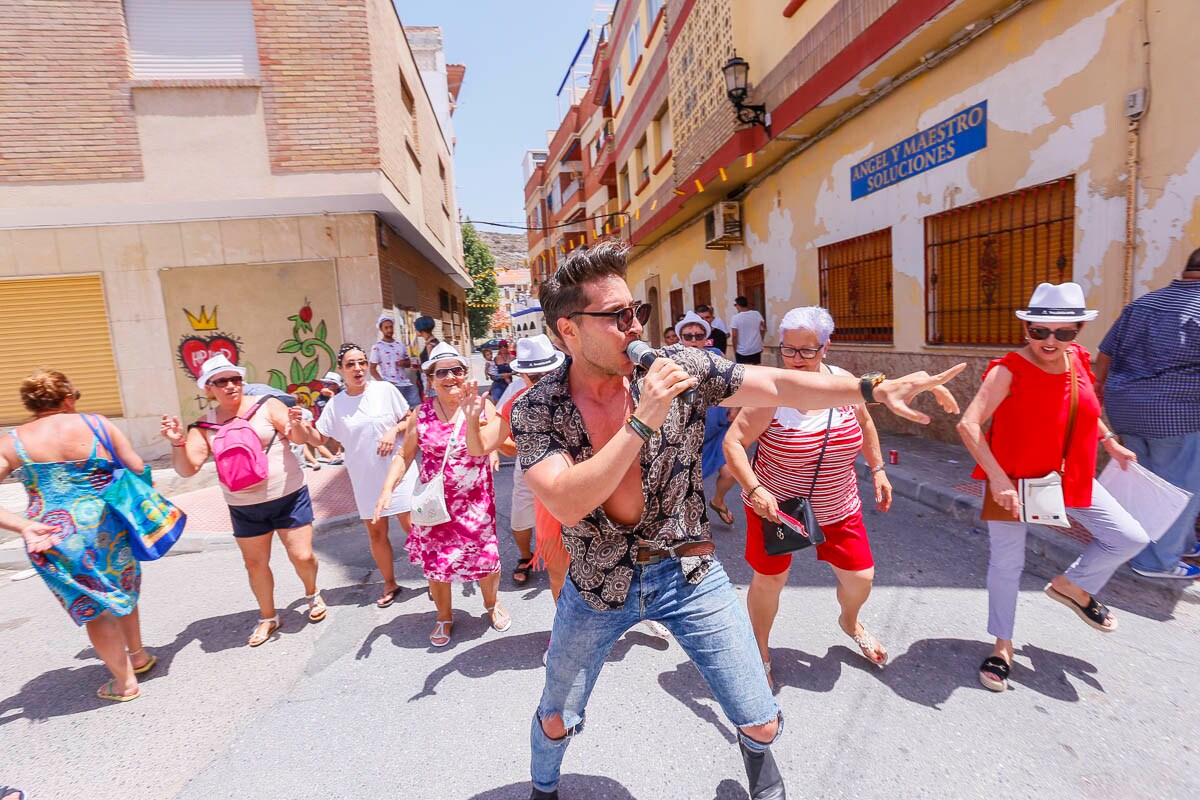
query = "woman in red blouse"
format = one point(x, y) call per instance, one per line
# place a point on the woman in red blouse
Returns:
point(1026, 395)
point(789, 444)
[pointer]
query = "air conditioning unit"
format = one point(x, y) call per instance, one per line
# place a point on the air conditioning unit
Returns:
point(723, 225)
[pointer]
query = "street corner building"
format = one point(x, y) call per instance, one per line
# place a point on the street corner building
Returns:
point(254, 179)
point(916, 166)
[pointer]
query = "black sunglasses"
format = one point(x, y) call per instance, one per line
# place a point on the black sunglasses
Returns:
point(1062, 334)
point(221, 383)
point(695, 337)
point(624, 316)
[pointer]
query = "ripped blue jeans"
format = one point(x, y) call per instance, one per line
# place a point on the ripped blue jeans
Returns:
point(707, 620)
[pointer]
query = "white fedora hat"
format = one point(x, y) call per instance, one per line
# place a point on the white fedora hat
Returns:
point(1057, 303)
point(214, 366)
point(332, 377)
point(536, 354)
point(692, 318)
point(444, 351)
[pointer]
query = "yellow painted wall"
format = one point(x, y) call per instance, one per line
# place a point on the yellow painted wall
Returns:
point(763, 36)
point(1055, 77)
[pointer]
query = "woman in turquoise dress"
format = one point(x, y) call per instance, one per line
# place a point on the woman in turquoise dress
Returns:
point(79, 549)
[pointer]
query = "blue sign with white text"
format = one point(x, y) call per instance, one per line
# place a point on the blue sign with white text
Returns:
point(952, 138)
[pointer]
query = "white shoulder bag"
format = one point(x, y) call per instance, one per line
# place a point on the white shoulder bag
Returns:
point(429, 499)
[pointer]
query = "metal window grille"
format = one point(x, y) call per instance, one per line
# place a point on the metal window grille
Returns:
point(856, 286)
point(983, 261)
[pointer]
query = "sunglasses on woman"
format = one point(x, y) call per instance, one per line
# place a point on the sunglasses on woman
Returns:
point(1062, 334)
point(221, 383)
point(449, 372)
point(624, 316)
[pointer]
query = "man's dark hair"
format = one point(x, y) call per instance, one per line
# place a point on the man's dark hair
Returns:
point(564, 292)
point(741, 301)
point(702, 309)
point(1193, 262)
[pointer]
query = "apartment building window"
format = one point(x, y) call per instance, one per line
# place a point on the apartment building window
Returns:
point(445, 187)
point(182, 39)
point(618, 86)
point(663, 124)
point(624, 185)
point(750, 285)
point(643, 154)
point(443, 301)
point(856, 286)
point(652, 9)
point(676, 299)
point(410, 105)
point(701, 294)
point(982, 262)
point(635, 44)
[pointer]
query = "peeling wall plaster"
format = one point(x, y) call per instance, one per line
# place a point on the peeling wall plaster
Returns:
point(1066, 149)
point(1161, 225)
point(1024, 110)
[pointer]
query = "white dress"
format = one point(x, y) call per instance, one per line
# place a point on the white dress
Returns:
point(357, 421)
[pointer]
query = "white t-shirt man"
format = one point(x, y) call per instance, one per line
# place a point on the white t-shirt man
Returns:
point(748, 325)
point(357, 421)
point(386, 357)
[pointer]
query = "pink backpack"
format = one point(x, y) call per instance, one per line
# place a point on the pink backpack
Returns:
point(238, 452)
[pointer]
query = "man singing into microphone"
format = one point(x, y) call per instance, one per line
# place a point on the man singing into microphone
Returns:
point(613, 452)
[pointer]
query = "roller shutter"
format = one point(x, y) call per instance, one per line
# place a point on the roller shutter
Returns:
point(188, 39)
point(59, 323)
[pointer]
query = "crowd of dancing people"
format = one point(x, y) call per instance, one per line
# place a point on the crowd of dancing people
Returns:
point(608, 488)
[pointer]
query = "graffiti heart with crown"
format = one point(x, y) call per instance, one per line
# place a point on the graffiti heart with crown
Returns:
point(205, 342)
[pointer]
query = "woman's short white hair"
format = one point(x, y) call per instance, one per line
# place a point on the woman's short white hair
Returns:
point(811, 318)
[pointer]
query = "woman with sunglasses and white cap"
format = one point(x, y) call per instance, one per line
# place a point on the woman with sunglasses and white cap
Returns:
point(1045, 418)
point(368, 417)
point(278, 504)
point(466, 547)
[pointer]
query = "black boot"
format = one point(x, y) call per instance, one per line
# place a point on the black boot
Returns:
point(761, 771)
point(538, 794)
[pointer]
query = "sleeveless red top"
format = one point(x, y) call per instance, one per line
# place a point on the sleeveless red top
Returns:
point(1028, 427)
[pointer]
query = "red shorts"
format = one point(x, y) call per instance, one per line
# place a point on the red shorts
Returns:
point(846, 546)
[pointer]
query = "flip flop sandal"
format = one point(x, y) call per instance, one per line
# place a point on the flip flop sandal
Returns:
point(868, 644)
point(316, 607)
point(993, 673)
point(144, 668)
point(106, 692)
point(1094, 613)
point(388, 598)
point(723, 512)
point(520, 573)
point(441, 633)
point(501, 619)
point(258, 637)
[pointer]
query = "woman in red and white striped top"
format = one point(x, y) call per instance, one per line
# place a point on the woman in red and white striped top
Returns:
point(789, 446)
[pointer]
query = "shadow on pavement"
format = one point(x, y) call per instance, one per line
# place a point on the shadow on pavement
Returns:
point(592, 787)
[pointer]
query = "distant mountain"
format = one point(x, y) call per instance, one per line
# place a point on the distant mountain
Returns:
point(509, 249)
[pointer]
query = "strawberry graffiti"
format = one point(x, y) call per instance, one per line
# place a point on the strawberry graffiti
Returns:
point(308, 343)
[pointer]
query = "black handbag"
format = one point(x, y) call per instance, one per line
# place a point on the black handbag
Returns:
point(798, 528)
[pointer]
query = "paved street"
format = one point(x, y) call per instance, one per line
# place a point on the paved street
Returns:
point(360, 706)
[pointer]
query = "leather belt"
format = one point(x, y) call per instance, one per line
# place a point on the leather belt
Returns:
point(652, 552)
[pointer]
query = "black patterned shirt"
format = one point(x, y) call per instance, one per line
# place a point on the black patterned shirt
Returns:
point(545, 422)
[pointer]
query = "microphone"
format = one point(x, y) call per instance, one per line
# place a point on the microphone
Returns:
point(643, 355)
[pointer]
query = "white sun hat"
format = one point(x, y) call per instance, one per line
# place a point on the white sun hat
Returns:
point(692, 318)
point(332, 377)
point(536, 354)
point(1057, 303)
point(214, 366)
point(444, 351)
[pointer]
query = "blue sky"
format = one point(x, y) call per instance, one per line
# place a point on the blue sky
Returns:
point(516, 53)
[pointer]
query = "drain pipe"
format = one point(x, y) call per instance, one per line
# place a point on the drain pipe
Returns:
point(1131, 209)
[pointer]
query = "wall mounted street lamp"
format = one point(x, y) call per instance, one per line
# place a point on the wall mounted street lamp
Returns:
point(737, 74)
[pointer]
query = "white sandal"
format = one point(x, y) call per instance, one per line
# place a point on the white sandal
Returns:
point(316, 607)
point(441, 632)
point(257, 637)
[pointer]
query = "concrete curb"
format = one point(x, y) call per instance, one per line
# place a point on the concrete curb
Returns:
point(1044, 546)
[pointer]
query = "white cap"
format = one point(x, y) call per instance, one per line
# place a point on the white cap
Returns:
point(332, 377)
point(692, 318)
point(1057, 303)
point(214, 366)
point(442, 352)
